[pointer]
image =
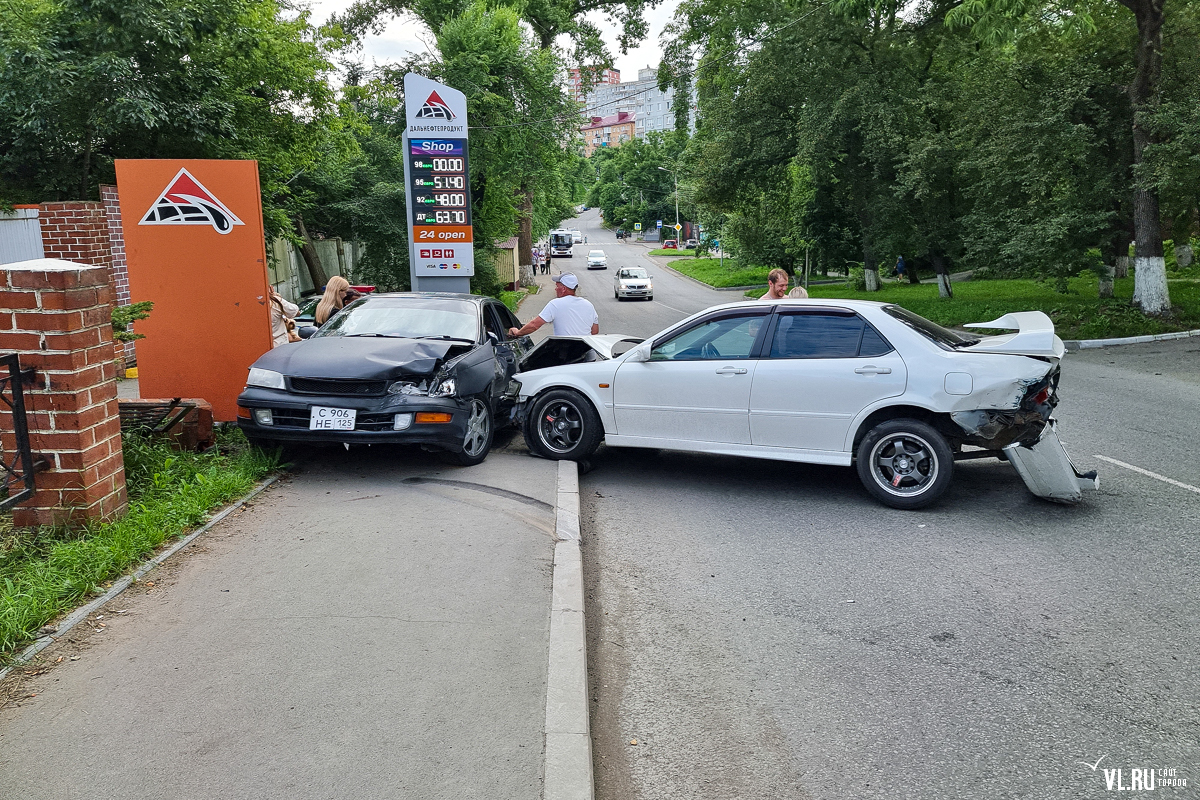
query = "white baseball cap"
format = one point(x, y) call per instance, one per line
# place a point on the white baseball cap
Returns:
point(568, 280)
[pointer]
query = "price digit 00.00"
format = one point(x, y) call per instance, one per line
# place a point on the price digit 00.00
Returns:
point(447, 165)
point(450, 217)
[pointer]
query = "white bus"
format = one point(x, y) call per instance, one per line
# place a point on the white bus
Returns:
point(561, 244)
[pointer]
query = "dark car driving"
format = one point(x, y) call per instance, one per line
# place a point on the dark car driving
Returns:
point(417, 368)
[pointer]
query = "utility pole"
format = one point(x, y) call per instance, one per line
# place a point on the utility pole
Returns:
point(675, 176)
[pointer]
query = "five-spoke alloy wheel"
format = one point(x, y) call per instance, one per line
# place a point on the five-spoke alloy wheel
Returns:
point(905, 463)
point(562, 425)
point(477, 440)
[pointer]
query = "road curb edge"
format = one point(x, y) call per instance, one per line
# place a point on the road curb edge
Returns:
point(568, 754)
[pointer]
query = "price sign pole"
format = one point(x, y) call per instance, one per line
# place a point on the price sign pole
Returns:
point(437, 187)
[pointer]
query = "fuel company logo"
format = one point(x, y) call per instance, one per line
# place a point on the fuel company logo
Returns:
point(185, 201)
point(434, 107)
point(1145, 779)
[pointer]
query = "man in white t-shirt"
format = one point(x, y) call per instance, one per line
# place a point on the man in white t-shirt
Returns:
point(570, 315)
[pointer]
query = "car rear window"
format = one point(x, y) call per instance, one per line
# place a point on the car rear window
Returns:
point(826, 335)
point(943, 337)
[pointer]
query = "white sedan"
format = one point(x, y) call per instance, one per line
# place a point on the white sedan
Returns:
point(597, 260)
point(633, 282)
point(841, 382)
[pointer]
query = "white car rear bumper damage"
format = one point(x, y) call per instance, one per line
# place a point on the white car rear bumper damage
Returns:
point(1047, 469)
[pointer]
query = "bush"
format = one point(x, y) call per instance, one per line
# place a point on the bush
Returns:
point(856, 280)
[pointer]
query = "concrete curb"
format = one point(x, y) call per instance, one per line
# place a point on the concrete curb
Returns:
point(1089, 344)
point(83, 612)
point(568, 767)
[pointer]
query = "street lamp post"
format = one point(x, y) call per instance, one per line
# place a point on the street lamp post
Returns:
point(675, 176)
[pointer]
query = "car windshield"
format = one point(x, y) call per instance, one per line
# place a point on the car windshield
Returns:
point(407, 317)
point(596, 254)
point(943, 337)
point(636, 272)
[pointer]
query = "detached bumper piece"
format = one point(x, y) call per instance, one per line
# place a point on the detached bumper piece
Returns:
point(1047, 469)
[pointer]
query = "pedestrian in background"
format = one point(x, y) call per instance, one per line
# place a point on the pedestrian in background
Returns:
point(283, 323)
point(333, 299)
point(777, 285)
point(900, 269)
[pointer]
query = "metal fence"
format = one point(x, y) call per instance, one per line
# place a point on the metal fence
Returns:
point(19, 466)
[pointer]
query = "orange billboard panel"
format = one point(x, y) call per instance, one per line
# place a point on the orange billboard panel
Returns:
point(195, 246)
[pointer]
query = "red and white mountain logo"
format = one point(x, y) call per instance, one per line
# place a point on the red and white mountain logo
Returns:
point(435, 108)
point(185, 201)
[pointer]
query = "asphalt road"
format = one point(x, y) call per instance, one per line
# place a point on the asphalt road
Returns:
point(766, 630)
point(675, 297)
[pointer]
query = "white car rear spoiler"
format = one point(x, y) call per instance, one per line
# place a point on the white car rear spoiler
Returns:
point(1034, 336)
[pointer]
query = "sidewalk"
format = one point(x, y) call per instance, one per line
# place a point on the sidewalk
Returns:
point(376, 625)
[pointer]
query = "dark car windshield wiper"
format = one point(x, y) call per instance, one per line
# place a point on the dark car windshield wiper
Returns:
point(967, 342)
point(383, 335)
point(444, 337)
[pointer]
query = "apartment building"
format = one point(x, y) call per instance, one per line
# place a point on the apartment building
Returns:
point(651, 108)
point(610, 131)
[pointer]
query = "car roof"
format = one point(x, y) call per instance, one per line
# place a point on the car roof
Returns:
point(471, 298)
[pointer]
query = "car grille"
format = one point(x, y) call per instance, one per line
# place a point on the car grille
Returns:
point(635, 286)
point(338, 387)
point(290, 417)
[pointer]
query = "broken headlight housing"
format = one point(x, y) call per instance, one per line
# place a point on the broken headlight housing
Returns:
point(444, 387)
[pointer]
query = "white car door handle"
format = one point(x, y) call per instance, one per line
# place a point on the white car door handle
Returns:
point(731, 371)
point(869, 370)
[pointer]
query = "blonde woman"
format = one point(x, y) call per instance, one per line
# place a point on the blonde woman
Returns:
point(333, 300)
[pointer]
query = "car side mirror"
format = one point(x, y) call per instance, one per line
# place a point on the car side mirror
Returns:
point(306, 331)
point(493, 337)
point(639, 354)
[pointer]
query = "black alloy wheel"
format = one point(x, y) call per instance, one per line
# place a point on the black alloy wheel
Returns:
point(563, 426)
point(905, 463)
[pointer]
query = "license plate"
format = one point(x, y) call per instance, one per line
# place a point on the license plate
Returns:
point(325, 418)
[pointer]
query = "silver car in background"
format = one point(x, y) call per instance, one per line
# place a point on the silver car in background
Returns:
point(633, 282)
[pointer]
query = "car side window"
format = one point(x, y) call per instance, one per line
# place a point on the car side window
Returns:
point(491, 324)
point(507, 318)
point(825, 335)
point(723, 338)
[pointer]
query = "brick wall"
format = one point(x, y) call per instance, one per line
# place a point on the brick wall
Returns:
point(56, 314)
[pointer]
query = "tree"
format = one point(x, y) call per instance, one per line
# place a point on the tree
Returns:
point(1001, 20)
point(85, 82)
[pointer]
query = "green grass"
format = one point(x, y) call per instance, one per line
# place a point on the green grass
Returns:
point(1078, 314)
point(512, 299)
point(710, 271)
point(680, 252)
point(48, 571)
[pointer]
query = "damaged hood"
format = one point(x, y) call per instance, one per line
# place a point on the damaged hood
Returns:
point(605, 343)
point(1034, 336)
point(361, 357)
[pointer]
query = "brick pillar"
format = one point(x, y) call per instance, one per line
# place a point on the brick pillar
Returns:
point(56, 315)
point(119, 280)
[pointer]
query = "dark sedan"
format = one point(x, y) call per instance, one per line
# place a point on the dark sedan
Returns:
point(418, 368)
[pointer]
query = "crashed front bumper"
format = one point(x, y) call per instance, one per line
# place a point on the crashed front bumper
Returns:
point(1047, 469)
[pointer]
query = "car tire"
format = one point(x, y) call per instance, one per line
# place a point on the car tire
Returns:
point(650, 297)
point(905, 463)
point(477, 441)
point(563, 426)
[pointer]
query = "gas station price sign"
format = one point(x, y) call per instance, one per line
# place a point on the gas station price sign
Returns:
point(441, 196)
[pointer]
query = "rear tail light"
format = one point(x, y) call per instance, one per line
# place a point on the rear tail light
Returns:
point(1042, 396)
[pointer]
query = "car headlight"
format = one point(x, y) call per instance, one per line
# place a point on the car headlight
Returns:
point(267, 378)
point(445, 388)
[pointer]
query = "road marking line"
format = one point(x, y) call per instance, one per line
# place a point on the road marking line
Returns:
point(1150, 474)
point(664, 305)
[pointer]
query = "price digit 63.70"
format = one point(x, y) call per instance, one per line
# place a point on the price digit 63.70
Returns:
point(450, 217)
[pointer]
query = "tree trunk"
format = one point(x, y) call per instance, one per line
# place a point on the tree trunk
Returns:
point(343, 267)
point(1150, 276)
point(525, 225)
point(309, 253)
point(1106, 281)
point(938, 261)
